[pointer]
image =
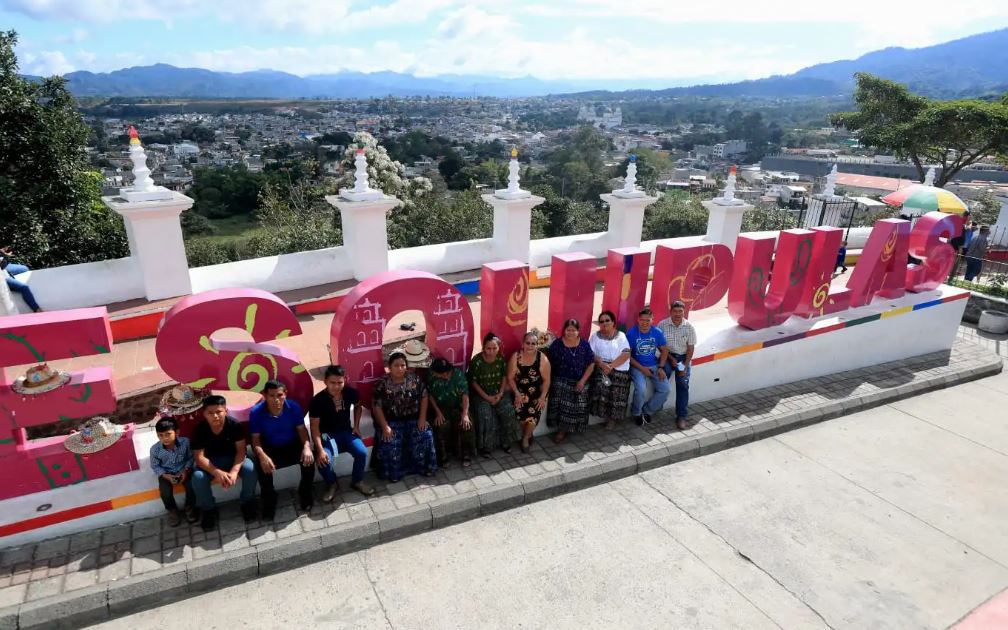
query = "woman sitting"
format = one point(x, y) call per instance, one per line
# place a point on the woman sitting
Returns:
point(572, 362)
point(529, 378)
point(495, 414)
point(449, 396)
point(611, 386)
point(399, 406)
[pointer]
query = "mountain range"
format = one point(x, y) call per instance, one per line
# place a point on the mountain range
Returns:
point(971, 66)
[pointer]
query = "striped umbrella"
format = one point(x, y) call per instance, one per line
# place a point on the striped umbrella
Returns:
point(925, 198)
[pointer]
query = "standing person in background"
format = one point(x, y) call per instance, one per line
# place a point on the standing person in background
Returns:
point(10, 271)
point(571, 365)
point(681, 338)
point(975, 253)
point(648, 354)
point(841, 258)
point(611, 386)
point(495, 414)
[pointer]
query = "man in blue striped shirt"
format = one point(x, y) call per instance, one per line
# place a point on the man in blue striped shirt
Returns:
point(171, 459)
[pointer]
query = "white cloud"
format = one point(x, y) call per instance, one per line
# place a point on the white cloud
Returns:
point(45, 63)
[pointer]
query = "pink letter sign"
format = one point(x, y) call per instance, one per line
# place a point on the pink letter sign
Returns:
point(698, 275)
point(36, 465)
point(188, 352)
point(749, 301)
point(626, 276)
point(572, 291)
point(938, 256)
point(817, 298)
point(504, 301)
point(882, 268)
point(359, 323)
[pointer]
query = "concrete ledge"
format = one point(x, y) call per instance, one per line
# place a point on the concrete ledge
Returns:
point(98, 603)
point(68, 610)
point(404, 522)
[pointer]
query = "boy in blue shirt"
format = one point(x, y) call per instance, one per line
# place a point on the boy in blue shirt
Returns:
point(171, 459)
point(648, 355)
point(280, 439)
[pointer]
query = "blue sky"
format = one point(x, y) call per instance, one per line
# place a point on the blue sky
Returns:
point(551, 39)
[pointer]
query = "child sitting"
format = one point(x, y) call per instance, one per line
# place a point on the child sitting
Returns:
point(172, 461)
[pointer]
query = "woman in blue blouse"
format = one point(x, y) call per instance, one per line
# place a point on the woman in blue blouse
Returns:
point(572, 362)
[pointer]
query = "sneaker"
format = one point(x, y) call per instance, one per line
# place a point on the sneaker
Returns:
point(209, 520)
point(192, 514)
point(248, 511)
point(268, 513)
point(647, 418)
point(330, 493)
point(306, 506)
point(363, 488)
point(174, 518)
point(640, 420)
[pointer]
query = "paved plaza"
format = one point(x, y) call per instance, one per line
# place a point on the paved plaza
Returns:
point(97, 574)
point(891, 517)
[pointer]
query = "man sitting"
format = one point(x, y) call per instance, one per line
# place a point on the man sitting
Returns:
point(280, 439)
point(648, 354)
point(218, 444)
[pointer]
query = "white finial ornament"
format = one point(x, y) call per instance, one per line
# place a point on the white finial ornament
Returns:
point(727, 197)
point(929, 177)
point(143, 188)
point(829, 190)
point(629, 190)
point(362, 190)
point(513, 190)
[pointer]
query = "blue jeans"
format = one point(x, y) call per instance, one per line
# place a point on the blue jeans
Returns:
point(973, 267)
point(20, 287)
point(201, 481)
point(681, 384)
point(343, 442)
point(661, 392)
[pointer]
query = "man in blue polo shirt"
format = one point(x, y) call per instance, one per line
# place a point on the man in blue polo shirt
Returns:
point(648, 354)
point(280, 439)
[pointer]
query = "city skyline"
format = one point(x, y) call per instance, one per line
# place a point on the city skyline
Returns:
point(645, 41)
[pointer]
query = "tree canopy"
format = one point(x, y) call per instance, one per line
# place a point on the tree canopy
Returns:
point(52, 211)
point(950, 134)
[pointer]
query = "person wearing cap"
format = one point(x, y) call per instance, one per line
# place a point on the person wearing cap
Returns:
point(449, 398)
point(681, 338)
point(279, 440)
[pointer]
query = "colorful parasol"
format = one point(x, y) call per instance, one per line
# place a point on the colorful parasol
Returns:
point(925, 198)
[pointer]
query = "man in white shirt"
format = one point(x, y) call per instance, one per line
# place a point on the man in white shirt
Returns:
point(681, 338)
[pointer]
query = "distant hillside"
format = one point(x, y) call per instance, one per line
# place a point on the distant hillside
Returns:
point(970, 66)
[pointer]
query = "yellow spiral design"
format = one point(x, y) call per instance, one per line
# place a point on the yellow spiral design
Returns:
point(819, 298)
point(237, 374)
point(889, 247)
point(517, 303)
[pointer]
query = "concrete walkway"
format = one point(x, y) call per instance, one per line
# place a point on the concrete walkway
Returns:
point(887, 518)
point(100, 574)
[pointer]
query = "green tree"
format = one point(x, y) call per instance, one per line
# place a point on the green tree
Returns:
point(650, 166)
point(438, 219)
point(952, 134)
point(51, 210)
point(676, 213)
point(576, 166)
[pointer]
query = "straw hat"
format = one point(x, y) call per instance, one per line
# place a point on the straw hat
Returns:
point(417, 353)
point(40, 379)
point(94, 435)
point(179, 401)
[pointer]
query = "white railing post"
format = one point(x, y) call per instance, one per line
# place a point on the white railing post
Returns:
point(724, 222)
point(365, 230)
point(512, 223)
point(626, 210)
point(151, 215)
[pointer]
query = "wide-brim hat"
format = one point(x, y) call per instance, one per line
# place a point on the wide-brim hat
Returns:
point(103, 435)
point(57, 379)
point(418, 354)
point(179, 401)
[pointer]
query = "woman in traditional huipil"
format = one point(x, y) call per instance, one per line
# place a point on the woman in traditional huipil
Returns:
point(449, 396)
point(495, 414)
point(399, 405)
point(572, 362)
